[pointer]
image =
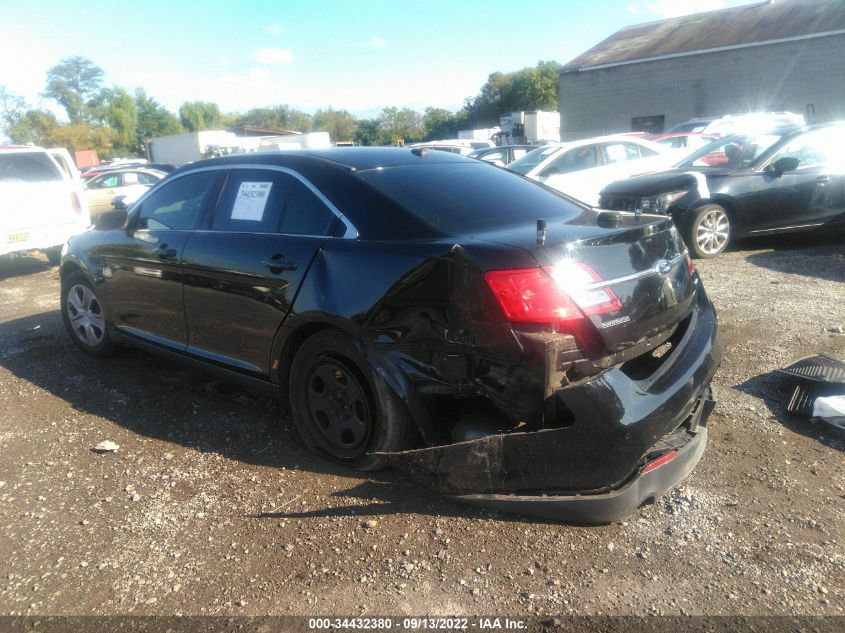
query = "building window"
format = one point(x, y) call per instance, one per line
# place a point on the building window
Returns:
point(651, 124)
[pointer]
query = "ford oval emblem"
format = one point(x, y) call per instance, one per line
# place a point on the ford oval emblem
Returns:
point(663, 267)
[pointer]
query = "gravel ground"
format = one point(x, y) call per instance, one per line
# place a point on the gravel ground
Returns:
point(211, 506)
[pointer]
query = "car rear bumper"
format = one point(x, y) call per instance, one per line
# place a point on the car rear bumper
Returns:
point(586, 464)
point(609, 506)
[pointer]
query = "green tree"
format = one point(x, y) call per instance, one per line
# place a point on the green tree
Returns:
point(441, 124)
point(33, 126)
point(12, 108)
point(369, 132)
point(117, 109)
point(153, 120)
point(73, 82)
point(532, 88)
point(339, 124)
point(405, 124)
point(85, 135)
point(280, 117)
point(199, 115)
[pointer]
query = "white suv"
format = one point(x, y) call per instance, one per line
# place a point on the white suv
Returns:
point(41, 201)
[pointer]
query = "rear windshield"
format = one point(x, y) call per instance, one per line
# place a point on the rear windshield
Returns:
point(457, 198)
point(28, 167)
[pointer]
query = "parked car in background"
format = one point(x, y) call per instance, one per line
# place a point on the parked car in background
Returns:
point(693, 125)
point(582, 168)
point(391, 294)
point(102, 189)
point(502, 155)
point(463, 146)
point(41, 202)
point(745, 185)
point(753, 123)
point(685, 141)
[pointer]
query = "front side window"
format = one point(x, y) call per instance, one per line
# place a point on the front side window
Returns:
point(532, 159)
point(500, 155)
point(252, 201)
point(177, 205)
point(813, 149)
point(105, 182)
point(573, 160)
point(736, 151)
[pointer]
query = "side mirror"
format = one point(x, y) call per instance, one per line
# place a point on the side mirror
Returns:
point(787, 163)
point(112, 219)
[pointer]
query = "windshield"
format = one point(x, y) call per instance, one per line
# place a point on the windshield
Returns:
point(736, 151)
point(532, 159)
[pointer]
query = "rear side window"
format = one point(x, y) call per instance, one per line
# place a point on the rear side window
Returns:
point(176, 205)
point(28, 167)
point(467, 197)
point(252, 201)
point(305, 213)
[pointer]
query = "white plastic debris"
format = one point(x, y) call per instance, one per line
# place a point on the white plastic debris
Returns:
point(831, 409)
point(106, 446)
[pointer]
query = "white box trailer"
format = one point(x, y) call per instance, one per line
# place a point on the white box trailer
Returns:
point(310, 140)
point(179, 149)
point(480, 134)
point(532, 126)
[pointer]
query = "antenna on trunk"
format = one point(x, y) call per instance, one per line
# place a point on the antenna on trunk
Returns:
point(541, 232)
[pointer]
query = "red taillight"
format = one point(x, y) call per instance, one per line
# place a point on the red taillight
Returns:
point(688, 260)
point(74, 200)
point(660, 461)
point(550, 295)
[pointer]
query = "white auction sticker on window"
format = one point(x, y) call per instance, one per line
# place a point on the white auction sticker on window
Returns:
point(251, 200)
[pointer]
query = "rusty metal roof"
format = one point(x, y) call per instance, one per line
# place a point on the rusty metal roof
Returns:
point(739, 26)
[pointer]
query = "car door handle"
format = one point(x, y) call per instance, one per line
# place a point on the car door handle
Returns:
point(277, 263)
point(166, 253)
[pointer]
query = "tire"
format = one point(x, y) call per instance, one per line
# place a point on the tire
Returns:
point(54, 255)
point(84, 316)
point(709, 231)
point(342, 409)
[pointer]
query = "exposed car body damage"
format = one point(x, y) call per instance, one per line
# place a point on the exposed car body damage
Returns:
point(416, 310)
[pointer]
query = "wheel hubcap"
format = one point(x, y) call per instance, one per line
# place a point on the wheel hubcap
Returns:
point(86, 315)
point(339, 408)
point(712, 233)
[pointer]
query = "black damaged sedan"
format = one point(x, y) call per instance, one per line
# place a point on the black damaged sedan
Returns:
point(495, 339)
point(746, 184)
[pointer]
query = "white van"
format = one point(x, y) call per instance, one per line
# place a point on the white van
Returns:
point(41, 201)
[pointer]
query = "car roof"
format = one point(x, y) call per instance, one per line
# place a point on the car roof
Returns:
point(350, 158)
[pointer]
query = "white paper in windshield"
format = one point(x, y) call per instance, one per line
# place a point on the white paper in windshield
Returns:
point(251, 200)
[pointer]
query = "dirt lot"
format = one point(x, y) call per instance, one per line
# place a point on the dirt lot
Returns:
point(211, 506)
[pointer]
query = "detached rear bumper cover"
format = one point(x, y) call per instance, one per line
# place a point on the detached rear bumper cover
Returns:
point(603, 507)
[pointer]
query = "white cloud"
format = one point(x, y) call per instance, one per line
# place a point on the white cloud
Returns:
point(632, 7)
point(274, 56)
point(274, 29)
point(676, 8)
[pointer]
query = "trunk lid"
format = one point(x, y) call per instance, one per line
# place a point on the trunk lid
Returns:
point(642, 260)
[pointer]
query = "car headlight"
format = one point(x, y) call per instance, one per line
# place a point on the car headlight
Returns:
point(659, 203)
